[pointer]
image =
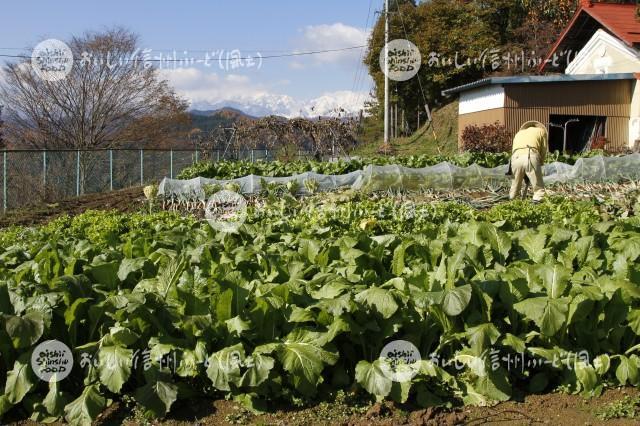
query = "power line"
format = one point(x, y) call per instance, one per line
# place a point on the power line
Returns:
point(406, 35)
point(26, 49)
point(287, 55)
point(360, 71)
point(361, 56)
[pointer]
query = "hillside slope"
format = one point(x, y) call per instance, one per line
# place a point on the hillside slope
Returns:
point(445, 126)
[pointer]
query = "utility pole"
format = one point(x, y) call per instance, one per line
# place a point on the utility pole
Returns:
point(395, 126)
point(386, 72)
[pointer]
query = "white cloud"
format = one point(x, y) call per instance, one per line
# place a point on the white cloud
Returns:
point(208, 90)
point(329, 37)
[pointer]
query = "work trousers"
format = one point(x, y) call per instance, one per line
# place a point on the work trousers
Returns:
point(527, 163)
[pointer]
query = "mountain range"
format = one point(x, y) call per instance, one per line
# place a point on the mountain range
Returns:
point(343, 104)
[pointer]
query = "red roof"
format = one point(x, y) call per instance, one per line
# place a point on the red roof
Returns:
point(618, 19)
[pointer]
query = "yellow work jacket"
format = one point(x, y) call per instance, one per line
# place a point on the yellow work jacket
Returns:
point(532, 137)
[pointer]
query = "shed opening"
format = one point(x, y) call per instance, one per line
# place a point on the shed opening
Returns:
point(581, 131)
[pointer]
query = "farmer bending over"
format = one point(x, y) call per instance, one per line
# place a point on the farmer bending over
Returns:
point(529, 150)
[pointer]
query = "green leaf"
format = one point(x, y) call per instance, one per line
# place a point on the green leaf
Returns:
point(20, 380)
point(372, 378)
point(224, 305)
point(86, 408)
point(400, 391)
point(602, 363)
point(548, 314)
point(123, 336)
point(554, 316)
point(627, 371)
point(481, 337)
point(258, 368)
point(169, 275)
point(397, 263)
point(382, 300)
point(224, 367)
point(456, 300)
point(534, 244)
point(515, 343)
point(301, 315)
point(304, 359)
point(586, 374)
point(191, 359)
point(5, 405)
point(157, 397)
point(25, 330)
point(105, 273)
point(554, 278)
point(56, 400)
point(633, 319)
point(114, 366)
point(331, 290)
point(494, 386)
point(237, 325)
point(130, 266)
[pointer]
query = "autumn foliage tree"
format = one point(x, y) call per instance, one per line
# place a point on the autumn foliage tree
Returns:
point(463, 40)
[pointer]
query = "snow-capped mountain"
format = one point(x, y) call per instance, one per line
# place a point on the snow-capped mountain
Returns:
point(328, 105)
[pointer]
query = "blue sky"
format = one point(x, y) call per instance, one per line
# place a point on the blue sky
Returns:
point(252, 27)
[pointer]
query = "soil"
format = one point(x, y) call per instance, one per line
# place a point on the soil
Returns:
point(124, 200)
point(550, 409)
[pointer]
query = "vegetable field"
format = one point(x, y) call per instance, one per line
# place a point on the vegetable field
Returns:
point(158, 307)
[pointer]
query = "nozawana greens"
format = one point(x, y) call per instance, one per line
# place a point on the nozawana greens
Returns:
point(162, 308)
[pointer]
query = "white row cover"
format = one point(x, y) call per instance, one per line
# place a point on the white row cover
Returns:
point(441, 176)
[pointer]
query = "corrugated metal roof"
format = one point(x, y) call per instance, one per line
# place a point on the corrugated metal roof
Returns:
point(526, 79)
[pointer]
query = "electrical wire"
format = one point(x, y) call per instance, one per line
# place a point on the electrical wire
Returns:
point(424, 98)
point(287, 55)
point(357, 80)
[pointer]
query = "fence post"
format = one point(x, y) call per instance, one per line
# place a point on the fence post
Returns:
point(111, 170)
point(44, 169)
point(217, 155)
point(171, 164)
point(196, 155)
point(142, 167)
point(77, 173)
point(4, 180)
point(252, 156)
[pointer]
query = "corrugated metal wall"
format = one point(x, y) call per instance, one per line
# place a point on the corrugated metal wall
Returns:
point(489, 116)
point(611, 99)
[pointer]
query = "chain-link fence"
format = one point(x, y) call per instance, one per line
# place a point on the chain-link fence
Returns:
point(30, 177)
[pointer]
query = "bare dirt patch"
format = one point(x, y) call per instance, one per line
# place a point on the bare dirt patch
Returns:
point(124, 200)
point(549, 409)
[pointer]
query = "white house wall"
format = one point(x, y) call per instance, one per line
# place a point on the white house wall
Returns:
point(482, 99)
point(634, 121)
point(605, 54)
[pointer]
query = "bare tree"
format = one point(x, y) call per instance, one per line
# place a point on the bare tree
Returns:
point(322, 136)
point(111, 97)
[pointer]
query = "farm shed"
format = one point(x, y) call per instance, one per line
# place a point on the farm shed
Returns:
point(599, 87)
point(601, 102)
